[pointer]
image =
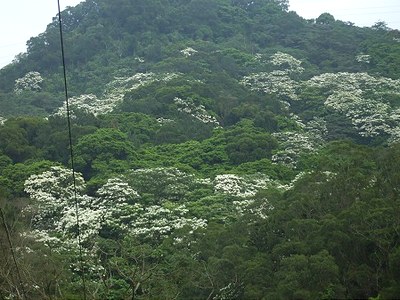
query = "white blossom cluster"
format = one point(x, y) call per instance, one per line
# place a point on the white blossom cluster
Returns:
point(116, 191)
point(2, 120)
point(139, 59)
point(113, 95)
point(276, 82)
point(89, 220)
point(291, 184)
point(295, 143)
point(163, 121)
point(317, 127)
point(240, 186)
point(196, 111)
point(121, 85)
point(160, 220)
point(119, 207)
point(361, 97)
point(249, 207)
point(371, 118)
point(258, 56)
point(54, 195)
point(89, 104)
point(395, 136)
point(363, 58)
point(340, 81)
point(310, 138)
point(30, 82)
point(231, 291)
point(290, 64)
point(244, 188)
point(54, 185)
point(115, 206)
point(189, 51)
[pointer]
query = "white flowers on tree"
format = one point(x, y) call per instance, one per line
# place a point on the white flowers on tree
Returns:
point(189, 51)
point(53, 192)
point(240, 186)
point(118, 207)
point(160, 220)
point(88, 104)
point(287, 62)
point(293, 144)
point(113, 94)
point(116, 200)
point(277, 82)
point(363, 58)
point(361, 97)
point(2, 120)
point(196, 111)
point(30, 82)
point(163, 121)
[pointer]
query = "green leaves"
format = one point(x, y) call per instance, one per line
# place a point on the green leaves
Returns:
point(105, 151)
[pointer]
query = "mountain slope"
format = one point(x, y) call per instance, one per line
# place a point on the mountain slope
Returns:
point(222, 149)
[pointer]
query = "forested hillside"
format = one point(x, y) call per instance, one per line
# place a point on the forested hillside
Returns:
point(223, 149)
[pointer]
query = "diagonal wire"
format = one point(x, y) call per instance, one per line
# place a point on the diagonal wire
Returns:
point(72, 153)
point(13, 253)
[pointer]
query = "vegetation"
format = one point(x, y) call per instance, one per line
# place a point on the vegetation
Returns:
point(223, 149)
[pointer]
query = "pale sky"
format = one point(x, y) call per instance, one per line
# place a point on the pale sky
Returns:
point(22, 19)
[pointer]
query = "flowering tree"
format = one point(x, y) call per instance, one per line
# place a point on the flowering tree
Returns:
point(54, 195)
point(288, 63)
point(240, 186)
point(277, 82)
point(113, 94)
point(31, 81)
point(189, 51)
point(196, 111)
point(363, 58)
point(309, 139)
point(361, 97)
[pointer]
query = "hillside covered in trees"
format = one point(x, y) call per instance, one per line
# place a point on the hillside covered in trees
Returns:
point(223, 149)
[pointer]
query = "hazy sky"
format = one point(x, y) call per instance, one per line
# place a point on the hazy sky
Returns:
point(22, 19)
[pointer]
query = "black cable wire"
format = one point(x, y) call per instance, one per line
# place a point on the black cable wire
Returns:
point(13, 254)
point(72, 153)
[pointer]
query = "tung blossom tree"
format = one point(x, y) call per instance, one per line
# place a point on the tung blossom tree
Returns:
point(287, 62)
point(196, 111)
point(31, 81)
point(240, 186)
point(293, 144)
point(278, 81)
point(362, 98)
point(189, 51)
point(113, 94)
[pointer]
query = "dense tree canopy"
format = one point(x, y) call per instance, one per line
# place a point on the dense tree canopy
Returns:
point(223, 149)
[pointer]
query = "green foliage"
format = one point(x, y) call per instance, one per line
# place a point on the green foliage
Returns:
point(188, 141)
point(140, 128)
point(13, 176)
point(106, 151)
